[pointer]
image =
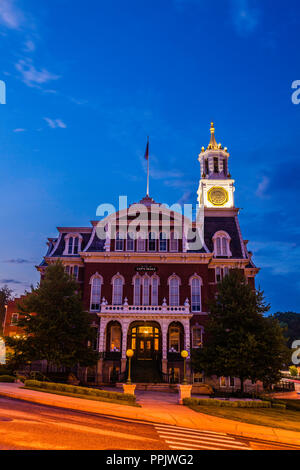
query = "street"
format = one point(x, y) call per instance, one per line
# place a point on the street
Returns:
point(28, 426)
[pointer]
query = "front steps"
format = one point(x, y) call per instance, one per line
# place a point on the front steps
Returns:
point(153, 387)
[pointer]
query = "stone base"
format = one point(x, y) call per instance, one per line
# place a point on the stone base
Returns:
point(129, 388)
point(184, 392)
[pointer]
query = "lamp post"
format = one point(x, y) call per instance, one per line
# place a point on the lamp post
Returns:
point(184, 355)
point(129, 354)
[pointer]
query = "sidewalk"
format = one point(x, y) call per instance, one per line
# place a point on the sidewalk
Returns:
point(158, 408)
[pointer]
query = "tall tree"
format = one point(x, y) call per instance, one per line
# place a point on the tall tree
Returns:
point(240, 341)
point(6, 294)
point(55, 325)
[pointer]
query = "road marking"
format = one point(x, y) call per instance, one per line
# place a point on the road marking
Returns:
point(186, 438)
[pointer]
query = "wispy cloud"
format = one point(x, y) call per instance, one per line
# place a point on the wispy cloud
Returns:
point(29, 46)
point(245, 16)
point(184, 198)
point(262, 188)
point(10, 16)
point(281, 258)
point(33, 77)
point(55, 123)
point(19, 129)
point(10, 281)
point(17, 261)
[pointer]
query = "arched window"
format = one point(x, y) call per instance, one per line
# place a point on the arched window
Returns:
point(146, 290)
point(154, 290)
point(117, 297)
point(115, 338)
point(137, 290)
point(174, 338)
point(162, 241)
point(152, 241)
point(119, 241)
point(72, 244)
point(195, 284)
point(141, 242)
point(96, 284)
point(130, 242)
point(174, 291)
point(173, 241)
point(221, 242)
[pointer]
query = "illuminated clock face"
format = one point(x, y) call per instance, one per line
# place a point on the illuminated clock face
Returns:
point(218, 196)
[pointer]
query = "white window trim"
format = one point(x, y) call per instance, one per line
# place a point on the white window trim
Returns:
point(177, 242)
point(141, 236)
point(67, 237)
point(155, 276)
point(137, 276)
point(174, 276)
point(196, 276)
point(132, 240)
point(144, 278)
point(121, 239)
point(221, 235)
point(117, 276)
point(166, 240)
point(95, 276)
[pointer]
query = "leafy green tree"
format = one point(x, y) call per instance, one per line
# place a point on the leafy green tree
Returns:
point(293, 371)
point(240, 341)
point(6, 294)
point(291, 321)
point(55, 326)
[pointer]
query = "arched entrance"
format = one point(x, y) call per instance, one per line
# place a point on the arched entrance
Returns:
point(144, 339)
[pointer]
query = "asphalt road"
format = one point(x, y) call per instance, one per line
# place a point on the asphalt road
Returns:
point(29, 426)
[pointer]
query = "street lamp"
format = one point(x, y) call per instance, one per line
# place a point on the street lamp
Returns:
point(184, 355)
point(129, 354)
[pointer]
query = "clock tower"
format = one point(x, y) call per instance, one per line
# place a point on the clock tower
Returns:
point(216, 188)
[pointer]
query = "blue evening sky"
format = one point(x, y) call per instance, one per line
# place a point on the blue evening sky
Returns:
point(88, 81)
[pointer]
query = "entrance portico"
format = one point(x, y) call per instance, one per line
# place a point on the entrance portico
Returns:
point(143, 329)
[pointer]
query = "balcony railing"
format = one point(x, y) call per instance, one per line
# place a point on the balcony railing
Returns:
point(151, 309)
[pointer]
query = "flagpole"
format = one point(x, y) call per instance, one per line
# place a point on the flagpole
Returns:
point(148, 167)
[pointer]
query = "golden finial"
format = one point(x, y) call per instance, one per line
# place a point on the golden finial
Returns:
point(212, 144)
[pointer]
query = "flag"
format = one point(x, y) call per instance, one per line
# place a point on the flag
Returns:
point(147, 151)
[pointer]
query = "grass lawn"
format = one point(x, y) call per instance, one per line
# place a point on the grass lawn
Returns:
point(284, 419)
point(86, 397)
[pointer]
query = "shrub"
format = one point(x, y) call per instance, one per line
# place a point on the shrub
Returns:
point(279, 406)
point(79, 390)
point(7, 378)
point(225, 403)
point(293, 371)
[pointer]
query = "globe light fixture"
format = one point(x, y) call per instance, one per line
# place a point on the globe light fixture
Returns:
point(184, 354)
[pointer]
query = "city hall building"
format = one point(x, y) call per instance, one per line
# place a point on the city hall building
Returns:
point(148, 272)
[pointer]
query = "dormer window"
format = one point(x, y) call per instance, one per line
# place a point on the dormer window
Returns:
point(222, 244)
point(72, 244)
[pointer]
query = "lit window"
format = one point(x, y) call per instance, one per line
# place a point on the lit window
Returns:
point(130, 242)
point(95, 293)
point(197, 337)
point(137, 290)
point(14, 319)
point(154, 291)
point(119, 242)
point(152, 241)
point(223, 382)
point(162, 241)
point(117, 291)
point(115, 338)
point(174, 339)
point(198, 377)
point(174, 291)
point(173, 241)
point(196, 294)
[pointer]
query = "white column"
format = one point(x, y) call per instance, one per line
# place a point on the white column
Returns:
point(125, 326)
point(164, 335)
point(187, 340)
point(102, 335)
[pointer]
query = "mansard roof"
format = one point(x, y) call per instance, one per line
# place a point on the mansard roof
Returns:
point(226, 224)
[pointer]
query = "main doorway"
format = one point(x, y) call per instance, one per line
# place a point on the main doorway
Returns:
point(145, 340)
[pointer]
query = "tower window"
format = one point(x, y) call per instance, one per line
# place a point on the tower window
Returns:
point(225, 166)
point(216, 165)
point(206, 167)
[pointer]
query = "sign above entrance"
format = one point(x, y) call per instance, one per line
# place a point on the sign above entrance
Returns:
point(146, 267)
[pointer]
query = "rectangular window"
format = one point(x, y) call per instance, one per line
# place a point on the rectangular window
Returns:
point(141, 243)
point(152, 242)
point(231, 381)
point(137, 291)
point(115, 338)
point(197, 337)
point(119, 242)
point(198, 377)
point(75, 272)
point(218, 274)
point(174, 292)
point(76, 246)
point(174, 339)
point(163, 242)
point(14, 319)
point(130, 242)
point(173, 241)
point(223, 382)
